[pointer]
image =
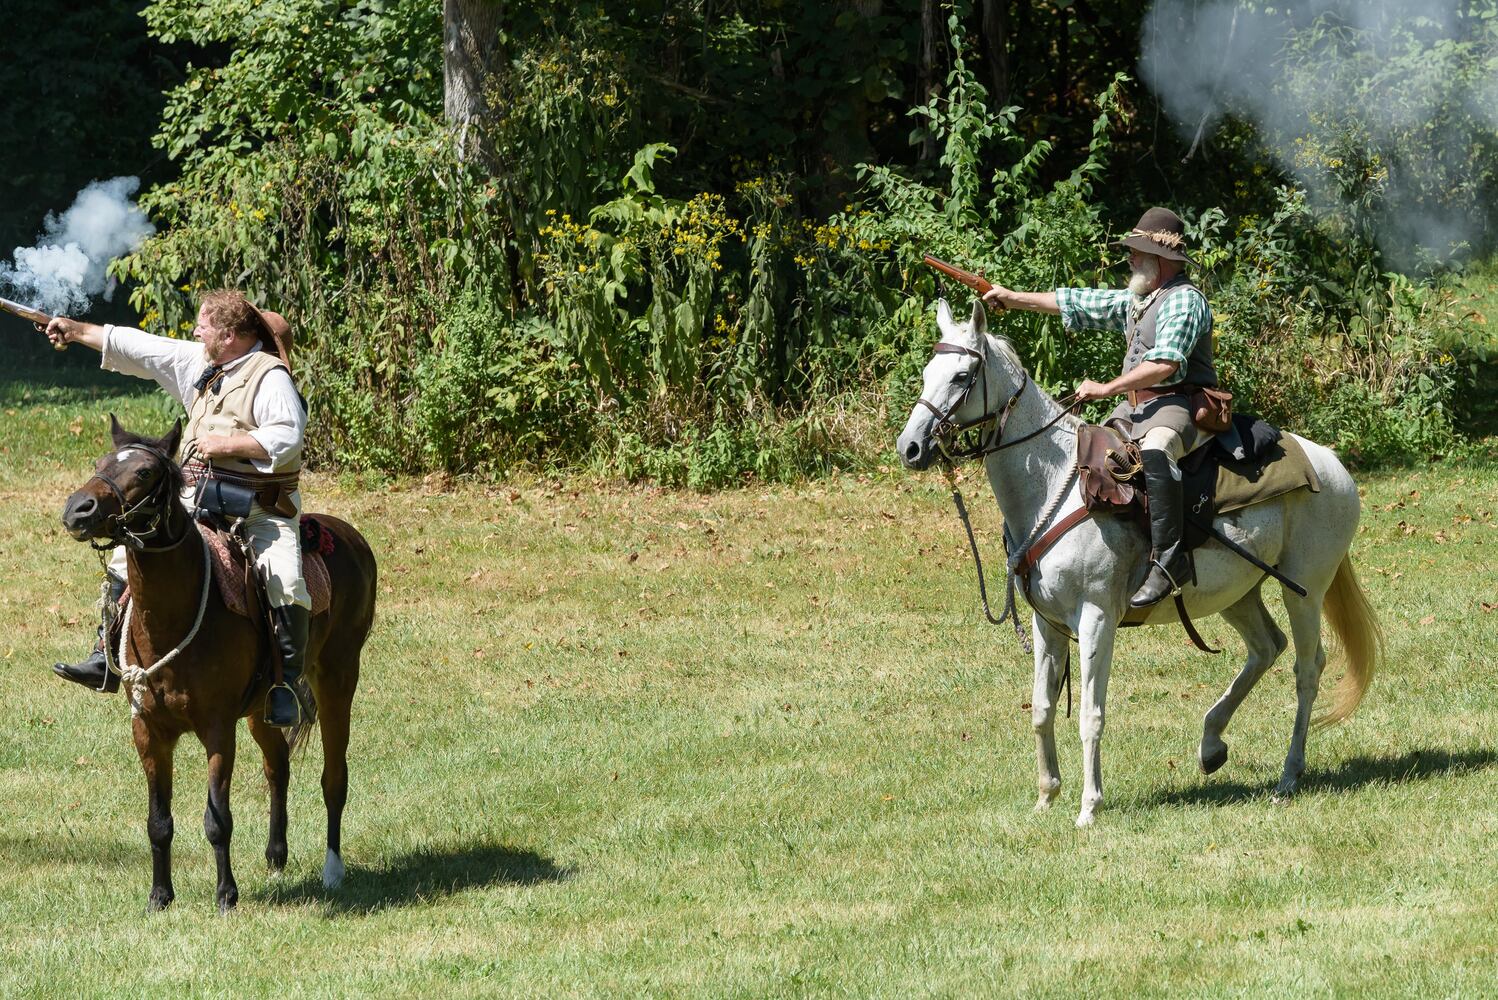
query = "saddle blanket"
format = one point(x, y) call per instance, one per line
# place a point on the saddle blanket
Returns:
point(1280, 467)
point(228, 569)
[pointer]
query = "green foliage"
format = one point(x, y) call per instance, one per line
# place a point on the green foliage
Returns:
point(594, 286)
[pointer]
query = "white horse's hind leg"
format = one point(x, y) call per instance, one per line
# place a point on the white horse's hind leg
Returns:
point(1095, 641)
point(1310, 658)
point(1265, 643)
point(1051, 650)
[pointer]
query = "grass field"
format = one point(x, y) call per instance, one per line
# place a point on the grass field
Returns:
point(616, 742)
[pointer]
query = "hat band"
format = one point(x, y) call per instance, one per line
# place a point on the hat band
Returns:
point(1164, 237)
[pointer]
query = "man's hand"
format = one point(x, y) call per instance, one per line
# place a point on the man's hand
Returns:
point(998, 296)
point(210, 447)
point(60, 330)
point(1090, 390)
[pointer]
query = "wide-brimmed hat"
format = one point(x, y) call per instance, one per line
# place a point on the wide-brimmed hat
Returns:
point(277, 336)
point(1160, 232)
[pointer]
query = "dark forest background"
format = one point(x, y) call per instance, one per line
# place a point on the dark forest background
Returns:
point(679, 240)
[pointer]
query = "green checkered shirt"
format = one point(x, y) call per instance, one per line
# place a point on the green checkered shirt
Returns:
point(1180, 323)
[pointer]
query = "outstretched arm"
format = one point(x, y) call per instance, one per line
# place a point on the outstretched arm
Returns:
point(63, 331)
point(1044, 302)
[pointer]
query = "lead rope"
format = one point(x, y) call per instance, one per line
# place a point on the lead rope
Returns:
point(1011, 614)
point(136, 676)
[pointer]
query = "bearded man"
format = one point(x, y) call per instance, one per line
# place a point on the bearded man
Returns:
point(1168, 327)
point(245, 421)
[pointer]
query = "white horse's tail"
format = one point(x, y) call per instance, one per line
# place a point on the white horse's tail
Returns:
point(1359, 642)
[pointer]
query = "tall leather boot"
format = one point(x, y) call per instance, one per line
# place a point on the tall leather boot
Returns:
point(94, 671)
point(1170, 566)
point(282, 706)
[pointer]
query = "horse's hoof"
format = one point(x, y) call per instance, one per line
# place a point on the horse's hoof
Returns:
point(158, 902)
point(1211, 763)
point(1086, 819)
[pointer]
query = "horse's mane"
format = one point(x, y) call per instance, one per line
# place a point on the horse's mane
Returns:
point(1010, 353)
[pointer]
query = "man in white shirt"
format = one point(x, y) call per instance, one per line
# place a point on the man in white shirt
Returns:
point(245, 424)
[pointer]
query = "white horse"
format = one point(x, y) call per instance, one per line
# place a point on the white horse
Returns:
point(1080, 587)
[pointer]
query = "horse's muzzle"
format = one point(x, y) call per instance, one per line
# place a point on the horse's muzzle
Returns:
point(915, 453)
point(82, 515)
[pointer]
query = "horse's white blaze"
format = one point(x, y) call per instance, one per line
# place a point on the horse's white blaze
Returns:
point(1081, 586)
point(332, 871)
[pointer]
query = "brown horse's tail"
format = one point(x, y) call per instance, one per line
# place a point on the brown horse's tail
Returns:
point(296, 736)
point(1359, 642)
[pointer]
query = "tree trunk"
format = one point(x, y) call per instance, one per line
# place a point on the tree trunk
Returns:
point(995, 29)
point(470, 51)
point(931, 36)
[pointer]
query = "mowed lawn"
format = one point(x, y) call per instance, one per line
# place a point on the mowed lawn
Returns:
point(617, 742)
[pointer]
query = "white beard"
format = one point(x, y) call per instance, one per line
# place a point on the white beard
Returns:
point(1143, 278)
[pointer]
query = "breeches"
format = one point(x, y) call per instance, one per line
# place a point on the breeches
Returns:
point(278, 552)
point(1166, 439)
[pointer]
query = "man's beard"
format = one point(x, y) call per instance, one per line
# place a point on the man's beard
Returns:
point(1142, 279)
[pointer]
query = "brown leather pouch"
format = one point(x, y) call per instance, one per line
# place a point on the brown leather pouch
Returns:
point(277, 500)
point(1106, 461)
point(1212, 409)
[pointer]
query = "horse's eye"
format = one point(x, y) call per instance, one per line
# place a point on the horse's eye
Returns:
point(142, 474)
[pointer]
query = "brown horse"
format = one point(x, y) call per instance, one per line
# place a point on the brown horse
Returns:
point(190, 664)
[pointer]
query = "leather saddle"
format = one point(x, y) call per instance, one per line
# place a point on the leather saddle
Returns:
point(236, 582)
point(1257, 462)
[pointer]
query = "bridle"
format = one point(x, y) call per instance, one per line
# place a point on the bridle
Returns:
point(153, 508)
point(945, 431)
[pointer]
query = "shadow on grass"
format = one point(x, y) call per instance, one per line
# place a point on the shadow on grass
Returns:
point(1359, 772)
point(52, 850)
point(420, 876)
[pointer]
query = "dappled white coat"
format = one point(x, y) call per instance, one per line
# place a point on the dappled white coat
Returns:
point(1080, 587)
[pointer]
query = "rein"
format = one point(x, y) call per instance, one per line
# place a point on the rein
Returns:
point(155, 506)
point(137, 676)
point(941, 434)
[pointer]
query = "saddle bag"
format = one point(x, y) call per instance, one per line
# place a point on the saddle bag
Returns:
point(230, 501)
point(1212, 409)
point(1106, 464)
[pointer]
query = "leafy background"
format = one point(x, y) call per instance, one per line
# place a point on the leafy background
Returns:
point(682, 244)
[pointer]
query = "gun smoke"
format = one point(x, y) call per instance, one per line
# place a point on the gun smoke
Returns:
point(1387, 72)
point(66, 268)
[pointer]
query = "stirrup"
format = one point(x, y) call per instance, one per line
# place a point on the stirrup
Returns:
point(1175, 588)
point(1173, 591)
point(295, 701)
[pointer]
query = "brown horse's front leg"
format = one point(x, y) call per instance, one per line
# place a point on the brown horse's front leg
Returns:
point(218, 821)
point(156, 760)
point(277, 756)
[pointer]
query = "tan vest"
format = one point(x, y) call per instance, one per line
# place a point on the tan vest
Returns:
point(231, 410)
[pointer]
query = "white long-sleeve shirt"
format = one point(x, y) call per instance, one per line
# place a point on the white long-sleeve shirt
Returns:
point(280, 420)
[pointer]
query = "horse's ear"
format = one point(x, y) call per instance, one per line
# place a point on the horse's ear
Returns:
point(118, 434)
point(173, 438)
point(980, 318)
point(944, 320)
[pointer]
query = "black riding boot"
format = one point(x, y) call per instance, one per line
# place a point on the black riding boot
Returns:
point(1170, 566)
point(282, 706)
point(94, 672)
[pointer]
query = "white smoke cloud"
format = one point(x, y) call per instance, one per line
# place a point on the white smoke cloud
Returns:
point(1394, 67)
point(67, 267)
